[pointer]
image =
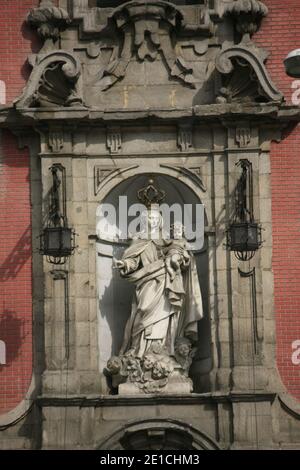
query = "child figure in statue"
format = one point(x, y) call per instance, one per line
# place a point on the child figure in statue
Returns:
point(177, 256)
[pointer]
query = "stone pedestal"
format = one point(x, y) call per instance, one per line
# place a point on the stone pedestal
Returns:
point(177, 385)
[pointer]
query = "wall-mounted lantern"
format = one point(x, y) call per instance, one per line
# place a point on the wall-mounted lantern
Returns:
point(57, 240)
point(243, 233)
point(292, 63)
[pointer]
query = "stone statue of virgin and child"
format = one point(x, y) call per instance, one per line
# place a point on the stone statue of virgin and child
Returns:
point(162, 330)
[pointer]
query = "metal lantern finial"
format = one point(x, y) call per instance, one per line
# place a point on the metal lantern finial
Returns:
point(57, 240)
point(151, 195)
point(243, 233)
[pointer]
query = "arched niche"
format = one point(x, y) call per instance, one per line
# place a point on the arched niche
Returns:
point(158, 434)
point(115, 294)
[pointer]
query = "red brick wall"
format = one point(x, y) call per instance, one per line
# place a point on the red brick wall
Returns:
point(16, 42)
point(15, 274)
point(280, 33)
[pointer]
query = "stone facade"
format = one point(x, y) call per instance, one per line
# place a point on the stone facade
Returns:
point(178, 91)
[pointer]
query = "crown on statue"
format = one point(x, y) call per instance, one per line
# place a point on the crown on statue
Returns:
point(151, 194)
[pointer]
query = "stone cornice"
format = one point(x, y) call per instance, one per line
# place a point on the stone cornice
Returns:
point(219, 113)
point(142, 400)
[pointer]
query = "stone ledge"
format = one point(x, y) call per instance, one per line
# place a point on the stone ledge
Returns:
point(28, 117)
point(130, 400)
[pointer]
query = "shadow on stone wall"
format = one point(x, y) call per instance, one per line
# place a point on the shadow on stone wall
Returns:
point(35, 46)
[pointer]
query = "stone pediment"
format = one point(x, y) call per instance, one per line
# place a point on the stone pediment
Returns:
point(147, 54)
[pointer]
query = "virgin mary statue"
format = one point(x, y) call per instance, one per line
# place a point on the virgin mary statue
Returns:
point(162, 329)
point(167, 303)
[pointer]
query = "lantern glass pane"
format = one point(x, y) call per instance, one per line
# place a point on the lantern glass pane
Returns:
point(67, 239)
point(53, 240)
point(57, 243)
point(244, 237)
point(241, 235)
point(253, 236)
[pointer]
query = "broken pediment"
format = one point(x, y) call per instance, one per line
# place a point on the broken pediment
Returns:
point(147, 54)
point(54, 82)
point(244, 76)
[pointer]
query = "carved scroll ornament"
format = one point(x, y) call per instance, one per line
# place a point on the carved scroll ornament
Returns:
point(244, 75)
point(53, 82)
